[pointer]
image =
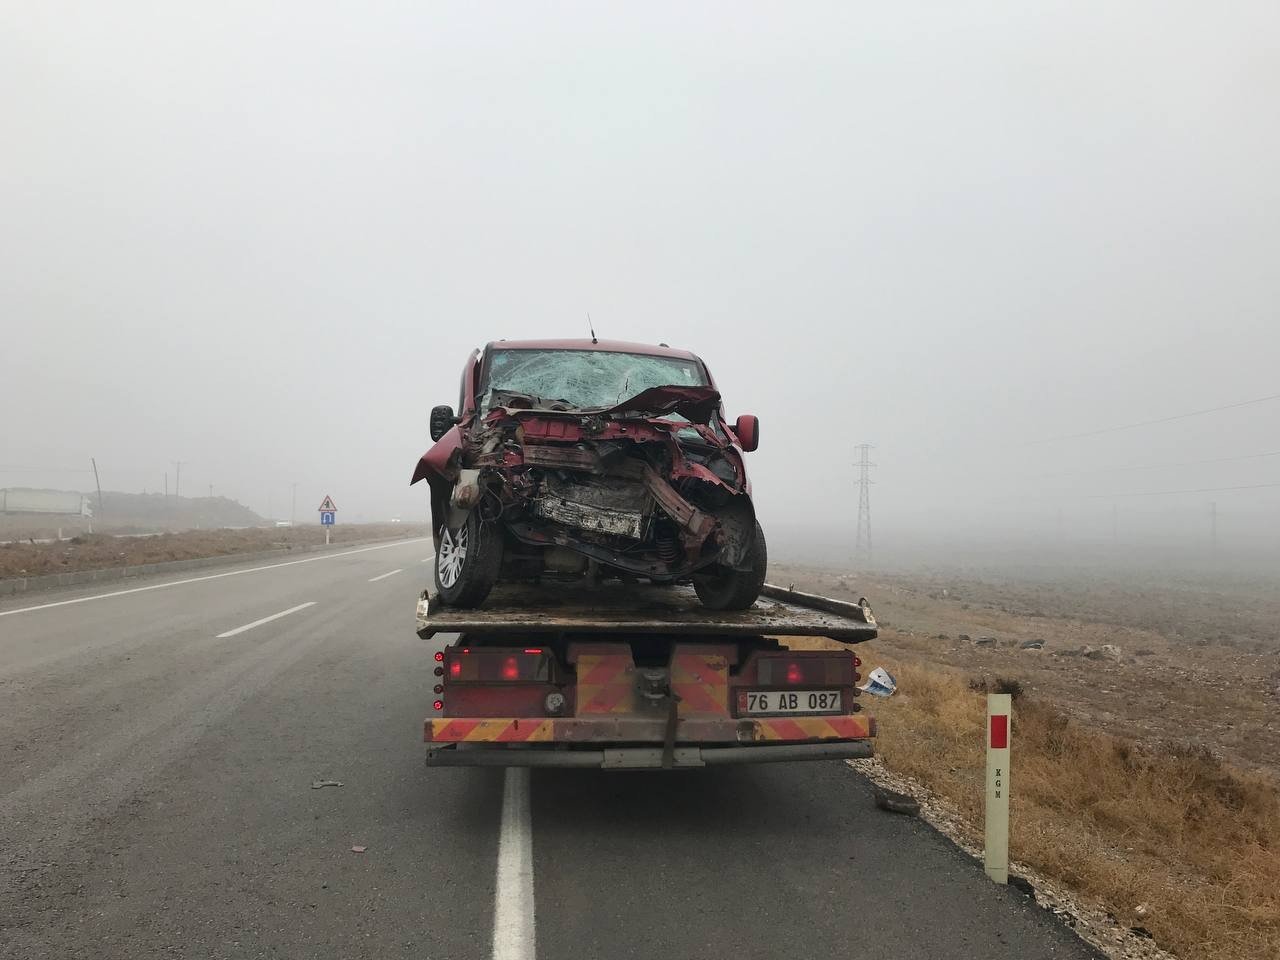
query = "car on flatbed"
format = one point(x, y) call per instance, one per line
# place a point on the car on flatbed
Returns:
point(618, 676)
point(590, 460)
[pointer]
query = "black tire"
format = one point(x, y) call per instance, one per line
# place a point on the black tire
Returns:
point(723, 588)
point(468, 559)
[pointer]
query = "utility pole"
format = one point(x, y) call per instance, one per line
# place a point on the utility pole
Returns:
point(862, 542)
point(177, 480)
point(98, 484)
point(211, 491)
point(293, 510)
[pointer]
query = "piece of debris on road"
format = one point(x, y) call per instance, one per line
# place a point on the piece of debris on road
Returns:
point(317, 784)
point(896, 802)
point(359, 849)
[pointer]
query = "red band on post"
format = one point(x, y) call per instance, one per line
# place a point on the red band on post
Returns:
point(999, 732)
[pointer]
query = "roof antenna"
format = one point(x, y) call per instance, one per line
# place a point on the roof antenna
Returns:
point(591, 327)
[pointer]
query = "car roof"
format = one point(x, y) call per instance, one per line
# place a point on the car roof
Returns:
point(611, 346)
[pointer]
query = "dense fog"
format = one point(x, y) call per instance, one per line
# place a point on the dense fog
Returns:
point(1027, 251)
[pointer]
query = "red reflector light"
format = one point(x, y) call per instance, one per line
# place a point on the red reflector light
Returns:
point(1000, 732)
point(510, 669)
point(438, 705)
point(536, 651)
point(439, 656)
point(455, 669)
point(857, 661)
point(793, 673)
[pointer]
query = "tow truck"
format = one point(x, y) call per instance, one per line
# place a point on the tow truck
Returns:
point(622, 676)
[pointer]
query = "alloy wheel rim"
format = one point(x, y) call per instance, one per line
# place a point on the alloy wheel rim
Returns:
point(452, 555)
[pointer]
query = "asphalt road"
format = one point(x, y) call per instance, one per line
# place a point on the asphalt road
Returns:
point(156, 800)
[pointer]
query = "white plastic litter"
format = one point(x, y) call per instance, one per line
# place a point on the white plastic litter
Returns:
point(880, 683)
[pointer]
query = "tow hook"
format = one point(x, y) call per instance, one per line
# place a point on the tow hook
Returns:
point(655, 687)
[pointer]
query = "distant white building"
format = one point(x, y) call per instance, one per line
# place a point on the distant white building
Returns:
point(49, 502)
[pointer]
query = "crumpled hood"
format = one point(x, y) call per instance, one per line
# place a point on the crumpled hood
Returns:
point(695, 404)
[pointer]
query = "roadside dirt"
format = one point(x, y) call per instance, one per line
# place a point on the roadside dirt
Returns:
point(1191, 663)
point(1145, 804)
point(102, 551)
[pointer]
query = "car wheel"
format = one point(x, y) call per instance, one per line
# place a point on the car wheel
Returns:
point(468, 559)
point(723, 588)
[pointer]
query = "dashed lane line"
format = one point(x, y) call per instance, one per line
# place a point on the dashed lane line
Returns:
point(258, 623)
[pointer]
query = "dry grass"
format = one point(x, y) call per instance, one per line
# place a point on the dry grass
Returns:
point(1167, 825)
point(101, 551)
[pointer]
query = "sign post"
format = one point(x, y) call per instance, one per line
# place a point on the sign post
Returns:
point(996, 848)
point(328, 515)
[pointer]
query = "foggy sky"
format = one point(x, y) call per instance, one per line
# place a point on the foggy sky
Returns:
point(262, 239)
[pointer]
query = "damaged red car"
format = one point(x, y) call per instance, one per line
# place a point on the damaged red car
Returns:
point(585, 459)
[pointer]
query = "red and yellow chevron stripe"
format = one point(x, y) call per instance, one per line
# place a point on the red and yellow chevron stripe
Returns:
point(608, 728)
point(521, 730)
point(814, 728)
point(701, 681)
point(606, 683)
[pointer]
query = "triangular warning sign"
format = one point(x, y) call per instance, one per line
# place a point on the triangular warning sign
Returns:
point(328, 506)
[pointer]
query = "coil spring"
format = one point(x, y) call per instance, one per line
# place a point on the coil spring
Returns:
point(668, 547)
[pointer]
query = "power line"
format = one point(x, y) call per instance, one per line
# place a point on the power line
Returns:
point(1147, 423)
point(1156, 466)
point(1161, 493)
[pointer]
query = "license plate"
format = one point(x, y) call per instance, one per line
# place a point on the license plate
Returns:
point(793, 701)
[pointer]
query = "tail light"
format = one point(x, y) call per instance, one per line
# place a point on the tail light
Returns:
point(479, 665)
point(438, 705)
point(439, 656)
point(816, 668)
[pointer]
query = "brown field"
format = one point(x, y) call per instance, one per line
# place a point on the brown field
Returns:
point(1149, 781)
point(101, 551)
point(1194, 665)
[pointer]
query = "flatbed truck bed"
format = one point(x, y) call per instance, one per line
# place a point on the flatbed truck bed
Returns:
point(627, 676)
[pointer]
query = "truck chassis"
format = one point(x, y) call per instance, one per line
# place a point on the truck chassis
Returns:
point(628, 677)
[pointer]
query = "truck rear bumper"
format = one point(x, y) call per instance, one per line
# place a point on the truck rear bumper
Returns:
point(606, 730)
point(641, 758)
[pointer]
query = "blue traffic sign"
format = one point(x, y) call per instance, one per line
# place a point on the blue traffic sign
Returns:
point(328, 517)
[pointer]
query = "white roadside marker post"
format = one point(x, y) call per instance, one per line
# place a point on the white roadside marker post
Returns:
point(996, 848)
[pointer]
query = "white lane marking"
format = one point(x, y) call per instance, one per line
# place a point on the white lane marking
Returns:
point(212, 576)
point(383, 576)
point(513, 928)
point(258, 623)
